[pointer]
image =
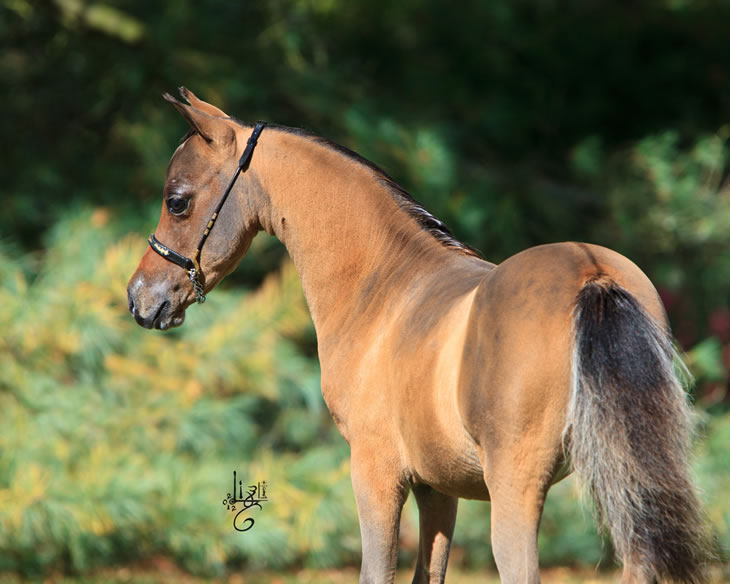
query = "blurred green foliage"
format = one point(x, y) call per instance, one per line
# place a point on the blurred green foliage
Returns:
point(117, 444)
point(518, 123)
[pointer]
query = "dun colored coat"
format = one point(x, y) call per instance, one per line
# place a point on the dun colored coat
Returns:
point(447, 375)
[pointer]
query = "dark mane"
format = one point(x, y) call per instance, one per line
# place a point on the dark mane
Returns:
point(405, 201)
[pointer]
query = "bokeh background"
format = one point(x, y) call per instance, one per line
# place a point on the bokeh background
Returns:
point(517, 123)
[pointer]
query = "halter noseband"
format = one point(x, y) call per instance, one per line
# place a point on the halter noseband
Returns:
point(192, 266)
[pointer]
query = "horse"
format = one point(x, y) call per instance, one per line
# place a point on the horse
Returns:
point(449, 376)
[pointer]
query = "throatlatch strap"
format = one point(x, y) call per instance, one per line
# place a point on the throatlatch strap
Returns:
point(243, 163)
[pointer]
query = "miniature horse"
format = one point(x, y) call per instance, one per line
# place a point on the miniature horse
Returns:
point(448, 376)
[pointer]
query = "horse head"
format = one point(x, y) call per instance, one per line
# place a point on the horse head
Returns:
point(203, 165)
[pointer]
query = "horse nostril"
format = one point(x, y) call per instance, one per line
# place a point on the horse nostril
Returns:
point(130, 302)
point(157, 319)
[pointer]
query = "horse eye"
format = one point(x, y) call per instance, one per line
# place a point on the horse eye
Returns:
point(177, 205)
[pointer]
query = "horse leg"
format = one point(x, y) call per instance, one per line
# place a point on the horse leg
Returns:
point(515, 520)
point(380, 493)
point(517, 490)
point(437, 515)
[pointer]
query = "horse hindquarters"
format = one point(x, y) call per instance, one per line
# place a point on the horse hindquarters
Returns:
point(629, 435)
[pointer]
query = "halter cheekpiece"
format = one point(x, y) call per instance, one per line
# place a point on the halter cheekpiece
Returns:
point(192, 266)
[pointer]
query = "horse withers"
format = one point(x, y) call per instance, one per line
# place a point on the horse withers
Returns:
point(448, 376)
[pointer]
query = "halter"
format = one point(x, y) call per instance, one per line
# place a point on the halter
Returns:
point(192, 266)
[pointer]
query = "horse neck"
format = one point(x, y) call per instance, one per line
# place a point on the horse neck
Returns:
point(340, 224)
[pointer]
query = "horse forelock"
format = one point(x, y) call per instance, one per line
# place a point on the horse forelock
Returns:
point(187, 135)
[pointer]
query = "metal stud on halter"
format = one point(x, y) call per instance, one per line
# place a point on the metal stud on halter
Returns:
point(192, 266)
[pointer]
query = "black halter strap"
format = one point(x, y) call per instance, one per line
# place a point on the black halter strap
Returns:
point(192, 265)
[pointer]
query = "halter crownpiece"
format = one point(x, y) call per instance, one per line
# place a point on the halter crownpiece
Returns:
point(192, 266)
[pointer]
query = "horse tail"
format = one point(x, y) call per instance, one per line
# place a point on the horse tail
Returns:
point(628, 436)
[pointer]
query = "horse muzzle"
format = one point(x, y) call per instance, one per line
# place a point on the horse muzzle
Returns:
point(151, 307)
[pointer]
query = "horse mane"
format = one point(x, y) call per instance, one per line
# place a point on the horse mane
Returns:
point(427, 221)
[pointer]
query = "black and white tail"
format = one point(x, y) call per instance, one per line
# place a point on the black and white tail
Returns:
point(629, 434)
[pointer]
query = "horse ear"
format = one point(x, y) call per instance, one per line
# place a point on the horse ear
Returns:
point(216, 131)
point(203, 106)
